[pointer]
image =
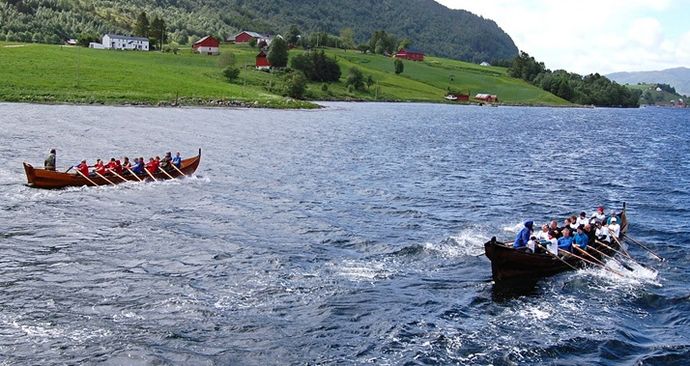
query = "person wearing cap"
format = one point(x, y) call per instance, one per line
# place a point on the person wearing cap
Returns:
point(582, 220)
point(581, 238)
point(566, 241)
point(49, 163)
point(599, 214)
point(523, 236)
point(612, 214)
point(614, 228)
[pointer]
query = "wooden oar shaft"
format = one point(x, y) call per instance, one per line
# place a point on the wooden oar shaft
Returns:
point(645, 248)
point(590, 262)
point(87, 178)
point(178, 169)
point(104, 178)
point(118, 175)
point(556, 256)
point(166, 173)
point(614, 249)
point(611, 258)
point(588, 255)
point(134, 174)
point(150, 175)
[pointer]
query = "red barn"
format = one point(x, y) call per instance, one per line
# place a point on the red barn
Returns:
point(206, 46)
point(410, 55)
point(262, 61)
point(246, 36)
point(489, 98)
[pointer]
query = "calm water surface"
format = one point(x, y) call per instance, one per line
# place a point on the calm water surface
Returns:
point(348, 235)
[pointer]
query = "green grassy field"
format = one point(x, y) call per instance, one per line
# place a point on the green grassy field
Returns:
point(50, 73)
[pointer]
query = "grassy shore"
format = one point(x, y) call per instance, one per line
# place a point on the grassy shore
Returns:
point(59, 74)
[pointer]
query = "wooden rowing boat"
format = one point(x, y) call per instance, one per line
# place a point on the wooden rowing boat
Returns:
point(508, 263)
point(41, 178)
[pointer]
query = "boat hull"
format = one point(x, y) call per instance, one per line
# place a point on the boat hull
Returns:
point(46, 179)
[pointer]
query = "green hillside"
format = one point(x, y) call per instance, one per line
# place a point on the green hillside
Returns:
point(50, 73)
point(430, 26)
point(659, 94)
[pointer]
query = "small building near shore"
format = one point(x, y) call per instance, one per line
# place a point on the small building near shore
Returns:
point(458, 97)
point(410, 55)
point(488, 98)
point(207, 46)
point(262, 62)
point(119, 42)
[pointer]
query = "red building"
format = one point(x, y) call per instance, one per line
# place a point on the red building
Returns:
point(206, 46)
point(410, 55)
point(246, 36)
point(262, 61)
point(489, 98)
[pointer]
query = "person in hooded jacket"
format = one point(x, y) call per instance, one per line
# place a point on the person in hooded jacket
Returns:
point(523, 236)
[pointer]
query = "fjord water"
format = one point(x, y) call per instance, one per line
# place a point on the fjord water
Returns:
point(347, 235)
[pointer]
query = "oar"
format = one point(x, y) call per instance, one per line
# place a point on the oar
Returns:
point(106, 179)
point(590, 262)
point(589, 255)
point(68, 169)
point(118, 175)
point(87, 178)
point(557, 257)
point(645, 248)
point(134, 174)
point(614, 249)
point(150, 175)
point(610, 257)
point(166, 173)
point(614, 238)
point(178, 169)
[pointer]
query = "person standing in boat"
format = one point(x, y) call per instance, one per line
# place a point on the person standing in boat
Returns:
point(177, 160)
point(566, 241)
point(523, 236)
point(49, 163)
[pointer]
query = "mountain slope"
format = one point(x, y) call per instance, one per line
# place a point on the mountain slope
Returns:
point(678, 77)
point(432, 27)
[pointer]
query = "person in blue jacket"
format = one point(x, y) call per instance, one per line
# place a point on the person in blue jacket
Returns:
point(566, 241)
point(581, 238)
point(523, 236)
point(177, 160)
point(138, 166)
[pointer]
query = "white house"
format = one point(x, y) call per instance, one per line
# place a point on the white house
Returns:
point(118, 42)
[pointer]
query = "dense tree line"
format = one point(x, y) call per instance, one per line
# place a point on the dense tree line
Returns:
point(316, 66)
point(430, 27)
point(592, 89)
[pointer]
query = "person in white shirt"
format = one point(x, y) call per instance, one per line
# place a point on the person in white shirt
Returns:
point(599, 214)
point(602, 232)
point(582, 220)
point(544, 233)
point(614, 228)
point(552, 246)
point(532, 243)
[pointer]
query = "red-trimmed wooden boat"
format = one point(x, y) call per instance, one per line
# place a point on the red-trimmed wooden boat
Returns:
point(41, 178)
point(508, 263)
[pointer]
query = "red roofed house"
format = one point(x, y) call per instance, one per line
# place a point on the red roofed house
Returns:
point(262, 61)
point(410, 55)
point(206, 46)
point(246, 36)
point(489, 98)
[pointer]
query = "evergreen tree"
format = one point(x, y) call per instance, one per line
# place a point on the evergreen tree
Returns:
point(399, 66)
point(141, 28)
point(278, 53)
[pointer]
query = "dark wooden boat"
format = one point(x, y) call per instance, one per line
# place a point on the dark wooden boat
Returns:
point(508, 263)
point(41, 178)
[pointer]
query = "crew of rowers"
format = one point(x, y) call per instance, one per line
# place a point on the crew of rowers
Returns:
point(116, 167)
point(576, 230)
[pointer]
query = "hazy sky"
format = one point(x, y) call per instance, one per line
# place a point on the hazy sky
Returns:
point(588, 36)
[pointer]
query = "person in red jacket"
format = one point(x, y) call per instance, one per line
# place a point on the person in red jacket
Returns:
point(112, 165)
point(83, 168)
point(118, 167)
point(152, 165)
point(99, 167)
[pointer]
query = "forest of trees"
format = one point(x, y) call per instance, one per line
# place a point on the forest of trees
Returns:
point(592, 89)
point(431, 27)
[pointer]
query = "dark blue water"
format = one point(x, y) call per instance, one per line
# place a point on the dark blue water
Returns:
point(349, 235)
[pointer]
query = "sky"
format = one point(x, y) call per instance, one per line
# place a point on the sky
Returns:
point(588, 36)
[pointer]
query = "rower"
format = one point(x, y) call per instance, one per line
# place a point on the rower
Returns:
point(591, 234)
point(582, 220)
point(152, 165)
point(99, 167)
point(614, 228)
point(166, 161)
point(602, 232)
point(544, 233)
point(49, 163)
point(581, 238)
point(118, 167)
point(566, 241)
point(523, 236)
point(112, 165)
point(83, 168)
point(553, 226)
point(126, 164)
point(599, 214)
point(177, 160)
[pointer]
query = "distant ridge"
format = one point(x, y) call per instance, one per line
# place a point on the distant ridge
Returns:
point(678, 77)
